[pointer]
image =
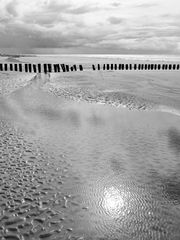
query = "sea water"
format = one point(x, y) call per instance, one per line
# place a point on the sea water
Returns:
point(91, 156)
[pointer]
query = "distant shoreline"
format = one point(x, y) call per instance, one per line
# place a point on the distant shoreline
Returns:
point(17, 55)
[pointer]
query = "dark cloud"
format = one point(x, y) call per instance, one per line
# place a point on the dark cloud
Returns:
point(82, 10)
point(11, 8)
point(43, 18)
point(146, 5)
point(64, 24)
point(115, 4)
point(56, 6)
point(23, 35)
point(134, 40)
point(171, 20)
point(48, 15)
point(5, 20)
point(53, 13)
point(115, 20)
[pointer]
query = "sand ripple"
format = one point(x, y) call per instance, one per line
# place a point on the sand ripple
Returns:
point(29, 201)
point(113, 98)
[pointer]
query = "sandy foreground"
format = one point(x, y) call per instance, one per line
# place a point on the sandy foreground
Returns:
point(75, 169)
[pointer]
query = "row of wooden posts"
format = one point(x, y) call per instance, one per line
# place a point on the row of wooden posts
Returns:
point(136, 67)
point(38, 68)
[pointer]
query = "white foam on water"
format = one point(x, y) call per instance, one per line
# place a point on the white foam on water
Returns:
point(118, 56)
point(170, 110)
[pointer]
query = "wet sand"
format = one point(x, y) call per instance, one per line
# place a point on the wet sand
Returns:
point(74, 170)
point(143, 90)
point(9, 82)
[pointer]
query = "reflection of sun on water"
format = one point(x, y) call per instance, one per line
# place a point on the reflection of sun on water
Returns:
point(112, 201)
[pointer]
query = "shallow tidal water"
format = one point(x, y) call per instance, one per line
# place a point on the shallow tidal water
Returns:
point(74, 170)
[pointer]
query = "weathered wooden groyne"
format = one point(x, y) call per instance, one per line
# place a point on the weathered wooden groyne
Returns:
point(136, 66)
point(55, 68)
point(39, 68)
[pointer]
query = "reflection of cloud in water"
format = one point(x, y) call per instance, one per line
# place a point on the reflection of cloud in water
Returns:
point(172, 187)
point(96, 120)
point(74, 117)
point(168, 185)
point(48, 112)
point(174, 139)
point(56, 114)
point(171, 180)
point(117, 165)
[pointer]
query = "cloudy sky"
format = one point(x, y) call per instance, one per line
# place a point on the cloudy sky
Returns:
point(91, 26)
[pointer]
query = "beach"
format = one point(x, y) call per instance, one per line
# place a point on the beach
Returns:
point(89, 155)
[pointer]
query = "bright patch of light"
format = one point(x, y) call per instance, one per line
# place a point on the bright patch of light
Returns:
point(112, 201)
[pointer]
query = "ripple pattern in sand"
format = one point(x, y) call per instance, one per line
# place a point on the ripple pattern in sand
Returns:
point(31, 206)
point(113, 98)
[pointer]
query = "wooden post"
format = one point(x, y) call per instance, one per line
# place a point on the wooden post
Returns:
point(5, 67)
point(30, 67)
point(139, 66)
point(15, 67)
point(99, 67)
point(122, 66)
point(130, 66)
point(142, 66)
point(26, 67)
point(107, 66)
point(145, 66)
point(159, 66)
point(1, 67)
point(45, 67)
point(75, 67)
point(20, 67)
point(71, 68)
point(170, 66)
point(11, 67)
point(39, 67)
point(111, 66)
point(34, 68)
point(63, 67)
point(104, 67)
point(127, 67)
point(115, 66)
point(80, 67)
point(174, 66)
point(49, 67)
point(93, 67)
point(67, 68)
point(55, 67)
point(152, 66)
point(149, 66)
point(177, 66)
point(58, 67)
point(135, 66)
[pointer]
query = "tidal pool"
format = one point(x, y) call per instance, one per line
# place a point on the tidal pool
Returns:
point(74, 170)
